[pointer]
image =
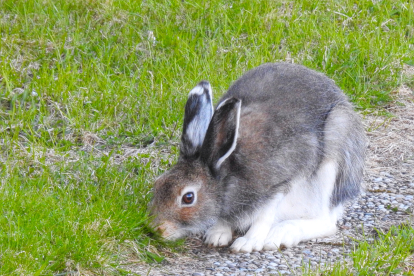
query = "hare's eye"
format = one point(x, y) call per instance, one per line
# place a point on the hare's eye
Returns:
point(188, 198)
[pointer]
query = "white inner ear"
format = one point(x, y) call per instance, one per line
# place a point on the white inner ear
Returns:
point(233, 146)
point(197, 128)
point(188, 189)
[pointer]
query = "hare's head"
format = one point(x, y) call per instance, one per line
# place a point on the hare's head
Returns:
point(187, 197)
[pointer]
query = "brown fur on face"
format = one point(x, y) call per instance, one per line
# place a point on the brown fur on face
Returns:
point(171, 214)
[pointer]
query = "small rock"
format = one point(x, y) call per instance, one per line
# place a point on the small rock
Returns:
point(387, 174)
point(335, 250)
point(307, 252)
point(197, 274)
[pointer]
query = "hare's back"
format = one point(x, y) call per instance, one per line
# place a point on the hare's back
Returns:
point(284, 86)
point(283, 119)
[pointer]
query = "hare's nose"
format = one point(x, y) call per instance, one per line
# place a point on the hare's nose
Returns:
point(166, 229)
point(157, 227)
point(160, 229)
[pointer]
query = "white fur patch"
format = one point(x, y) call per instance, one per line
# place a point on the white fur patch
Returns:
point(219, 234)
point(198, 90)
point(305, 211)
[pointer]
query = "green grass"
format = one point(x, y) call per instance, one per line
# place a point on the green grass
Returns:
point(392, 253)
point(83, 83)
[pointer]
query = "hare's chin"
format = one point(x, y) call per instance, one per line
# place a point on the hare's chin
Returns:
point(173, 235)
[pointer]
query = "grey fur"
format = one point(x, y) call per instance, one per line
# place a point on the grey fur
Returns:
point(292, 118)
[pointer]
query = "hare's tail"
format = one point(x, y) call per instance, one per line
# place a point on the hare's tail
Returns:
point(345, 143)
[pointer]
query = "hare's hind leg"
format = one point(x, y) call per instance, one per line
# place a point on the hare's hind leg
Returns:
point(291, 232)
point(305, 212)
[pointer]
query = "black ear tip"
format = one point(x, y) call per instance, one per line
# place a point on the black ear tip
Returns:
point(205, 84)
point(202, 88)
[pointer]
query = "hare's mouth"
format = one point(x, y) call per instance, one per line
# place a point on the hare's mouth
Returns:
point(170, 231)
point(174, 236)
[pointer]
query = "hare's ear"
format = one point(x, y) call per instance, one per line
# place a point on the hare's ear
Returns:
point(221, 136)
point(198, 112)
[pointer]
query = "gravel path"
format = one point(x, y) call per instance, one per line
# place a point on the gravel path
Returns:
point(388, 200)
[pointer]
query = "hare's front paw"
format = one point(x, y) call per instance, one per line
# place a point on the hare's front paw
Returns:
point(219, 234)
point(247, 244)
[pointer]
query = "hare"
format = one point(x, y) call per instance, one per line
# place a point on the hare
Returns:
point(275, 161)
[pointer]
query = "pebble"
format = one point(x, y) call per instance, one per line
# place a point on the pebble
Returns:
point(307, 252)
